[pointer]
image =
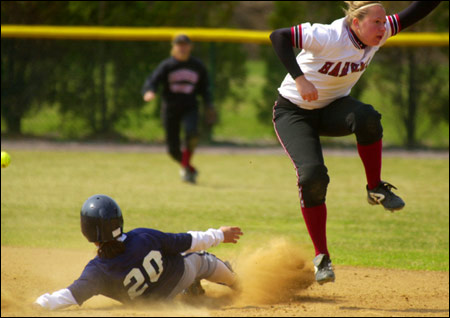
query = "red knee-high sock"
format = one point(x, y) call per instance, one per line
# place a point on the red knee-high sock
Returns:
point(186, 159)
point(371, 158)
point(316, 223)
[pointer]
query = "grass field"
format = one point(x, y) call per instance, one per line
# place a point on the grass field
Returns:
point(42, 193)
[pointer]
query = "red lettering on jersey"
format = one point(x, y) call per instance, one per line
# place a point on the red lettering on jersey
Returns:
point(326, 67)
point(335, 71)
point(345, 69)
point(348, 66)
point(362, 67)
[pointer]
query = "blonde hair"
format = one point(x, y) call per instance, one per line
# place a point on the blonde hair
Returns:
point(358, 9)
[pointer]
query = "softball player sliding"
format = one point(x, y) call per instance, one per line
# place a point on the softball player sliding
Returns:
point(143, 264)
point(314, 101)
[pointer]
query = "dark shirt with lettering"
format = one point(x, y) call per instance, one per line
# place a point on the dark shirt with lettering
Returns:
point(181, 81)
point(150, 267)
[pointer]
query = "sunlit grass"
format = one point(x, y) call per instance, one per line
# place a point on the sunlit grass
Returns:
point(42, 193)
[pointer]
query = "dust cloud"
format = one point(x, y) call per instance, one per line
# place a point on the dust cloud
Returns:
point(267, 275)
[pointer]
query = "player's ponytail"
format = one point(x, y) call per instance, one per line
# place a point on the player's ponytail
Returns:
point(110, 249)
point(358, 9)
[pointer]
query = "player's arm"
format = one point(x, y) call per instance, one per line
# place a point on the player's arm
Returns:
point(416, 12)
point(151, 83)
point(60, 299)
point(283, 41)
point(86, 286)
point(204, 240)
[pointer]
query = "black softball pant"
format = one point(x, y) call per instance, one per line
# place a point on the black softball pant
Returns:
point(174, 116)
point(299, 132)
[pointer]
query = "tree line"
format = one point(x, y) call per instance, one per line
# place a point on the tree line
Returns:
point(97, 82)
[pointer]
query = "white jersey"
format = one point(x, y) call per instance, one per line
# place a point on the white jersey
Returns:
point(331, 59)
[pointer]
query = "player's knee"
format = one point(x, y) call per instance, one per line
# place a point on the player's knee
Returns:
point(313, 182)
point(367, 125)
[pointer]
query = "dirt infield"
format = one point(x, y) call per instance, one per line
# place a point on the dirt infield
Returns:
point(276, 280)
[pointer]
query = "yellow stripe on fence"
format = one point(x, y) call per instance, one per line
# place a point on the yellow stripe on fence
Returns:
point(196, 34)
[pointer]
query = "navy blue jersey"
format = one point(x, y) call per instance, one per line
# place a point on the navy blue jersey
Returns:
point(150, 267)
point(182, 82)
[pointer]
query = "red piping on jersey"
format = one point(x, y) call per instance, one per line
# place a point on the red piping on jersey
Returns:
point(398, 22)
point(292, 36)
point(391, 23)
point(394, 21)
point(296, 36)
point(354, 39)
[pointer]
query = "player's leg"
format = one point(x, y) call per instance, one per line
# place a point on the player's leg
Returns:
point(172, 125)
point(297, 132)
point(211, 268)
point(190, 122)
point(207, 266)
point(348, 116)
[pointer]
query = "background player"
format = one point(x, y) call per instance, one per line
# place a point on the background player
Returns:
point(142, 264)
point(314, 101)
point(183, 78)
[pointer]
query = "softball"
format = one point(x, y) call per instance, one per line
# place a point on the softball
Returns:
point(6, 159)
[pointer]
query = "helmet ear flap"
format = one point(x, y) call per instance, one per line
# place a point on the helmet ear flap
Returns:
point(117, 232)
point(111, 230)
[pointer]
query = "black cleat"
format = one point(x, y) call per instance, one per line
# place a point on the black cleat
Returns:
point(383, 195)
point(188, 175)
point(323, 269)
point(195, 289)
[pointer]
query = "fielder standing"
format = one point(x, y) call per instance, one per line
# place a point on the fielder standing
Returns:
point(183, 78)
point(314, 100)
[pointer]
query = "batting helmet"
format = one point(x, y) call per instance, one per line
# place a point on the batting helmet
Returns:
point(101, 219)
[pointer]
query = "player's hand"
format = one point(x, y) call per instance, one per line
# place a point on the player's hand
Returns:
point(231, 234)
point(306, 89)
point(149, 96)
